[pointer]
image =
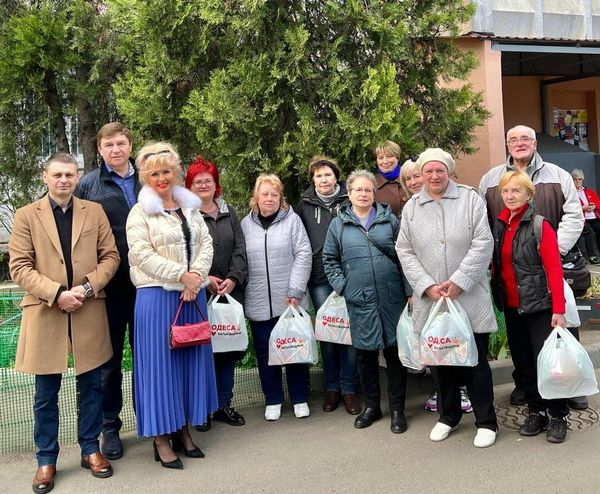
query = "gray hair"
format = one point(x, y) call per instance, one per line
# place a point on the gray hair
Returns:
point(521, 128)
point(360, 174)
point(577, 173)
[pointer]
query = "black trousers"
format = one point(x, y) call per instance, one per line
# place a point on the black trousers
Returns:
point(589, 241)
point(526, 335)
point(368, 370)
point(120, 304)
point(480, 388)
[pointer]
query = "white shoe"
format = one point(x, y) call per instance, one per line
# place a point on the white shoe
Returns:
point(273, 412)
point(440, 432)
point(301, 410)
point(484, 438)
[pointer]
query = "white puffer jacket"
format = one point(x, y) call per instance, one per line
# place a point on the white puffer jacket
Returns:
point(157, 250)
point(279, 264)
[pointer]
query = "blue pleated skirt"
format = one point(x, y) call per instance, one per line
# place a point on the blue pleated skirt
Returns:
point(172, 387)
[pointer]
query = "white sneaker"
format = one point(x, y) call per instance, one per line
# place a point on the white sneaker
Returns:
point(440, 432)
point(484, 438)
point(301, 410)
point(273, 412)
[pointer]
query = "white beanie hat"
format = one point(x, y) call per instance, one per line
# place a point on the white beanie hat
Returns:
point(436, 154)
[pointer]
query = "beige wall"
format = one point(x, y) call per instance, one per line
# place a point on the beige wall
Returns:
point(487, 77)
point(522, 99)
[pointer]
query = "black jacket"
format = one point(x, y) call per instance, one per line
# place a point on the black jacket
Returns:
point(229, 259)
point(316, 217)
point(534, 294)
point(99, 187)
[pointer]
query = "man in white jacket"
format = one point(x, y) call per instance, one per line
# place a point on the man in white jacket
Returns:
point(555, 198)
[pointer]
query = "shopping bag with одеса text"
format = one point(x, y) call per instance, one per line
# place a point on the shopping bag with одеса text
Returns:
point(292, 340)
point(229, 333)
point(332, 322)
point(447, 337)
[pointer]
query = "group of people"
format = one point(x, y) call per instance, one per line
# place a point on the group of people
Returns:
point(131, 243)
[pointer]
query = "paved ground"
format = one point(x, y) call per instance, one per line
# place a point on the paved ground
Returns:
point(324, 453)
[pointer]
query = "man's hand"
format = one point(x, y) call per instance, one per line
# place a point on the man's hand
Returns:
point(215, 282)
point(70, 301)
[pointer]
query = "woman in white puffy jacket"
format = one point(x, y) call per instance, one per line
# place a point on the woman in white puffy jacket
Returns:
point(279, 265)
point(170, 254)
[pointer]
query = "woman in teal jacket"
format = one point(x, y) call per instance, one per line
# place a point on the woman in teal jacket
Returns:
point(361, 265)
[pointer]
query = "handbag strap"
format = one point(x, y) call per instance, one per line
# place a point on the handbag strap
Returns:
point(179, 310)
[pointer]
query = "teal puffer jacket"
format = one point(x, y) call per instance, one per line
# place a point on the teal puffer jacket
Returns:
point(372, 284)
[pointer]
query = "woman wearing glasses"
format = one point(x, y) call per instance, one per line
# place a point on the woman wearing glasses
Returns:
point(170, 254)
point(227, 274)
point(361, 265)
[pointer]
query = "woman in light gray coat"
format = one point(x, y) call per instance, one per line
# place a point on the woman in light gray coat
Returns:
point(279, 264)
point(445, 247)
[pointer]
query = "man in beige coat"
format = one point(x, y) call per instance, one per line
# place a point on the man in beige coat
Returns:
point(63, 253)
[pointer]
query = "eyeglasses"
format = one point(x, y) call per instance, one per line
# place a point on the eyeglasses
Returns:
point(524, 139)
point(149, 155)
point(362, 190)
point(209, 182)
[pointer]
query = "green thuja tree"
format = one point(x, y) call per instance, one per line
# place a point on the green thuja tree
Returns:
point(262, 85)
point(57, 64)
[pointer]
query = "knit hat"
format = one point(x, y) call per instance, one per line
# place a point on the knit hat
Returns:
point(436, 154)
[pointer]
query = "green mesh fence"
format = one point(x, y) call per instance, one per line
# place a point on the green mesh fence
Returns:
point(17, 389)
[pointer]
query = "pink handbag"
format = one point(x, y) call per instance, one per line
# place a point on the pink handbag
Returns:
point(191, 334)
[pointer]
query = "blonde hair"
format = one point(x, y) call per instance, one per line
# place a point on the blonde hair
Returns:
point(408, 168)
point(388, 147)
point(522, 180)
point(271, 179)
point(156, 155)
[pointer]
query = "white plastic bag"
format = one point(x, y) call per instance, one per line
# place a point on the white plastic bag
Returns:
point(229, 333)
point(332, 322)
point(447, 337)
point(571, 314)
point(292, 340)
point(409, 349)
point(564, 368)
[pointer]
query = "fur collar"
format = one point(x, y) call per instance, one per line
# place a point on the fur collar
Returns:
point(152, 204)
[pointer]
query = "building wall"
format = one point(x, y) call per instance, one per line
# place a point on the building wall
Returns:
point(487, 77)
point(522, 100)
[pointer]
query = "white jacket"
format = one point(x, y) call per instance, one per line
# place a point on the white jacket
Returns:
point(449, 239)
point(157, 248)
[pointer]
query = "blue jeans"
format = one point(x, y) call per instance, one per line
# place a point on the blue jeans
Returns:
point(45, 413)
point(297, 375)
point(339, 361)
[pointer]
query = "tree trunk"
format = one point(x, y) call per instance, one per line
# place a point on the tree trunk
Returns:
point(57, 117)
point(87, 127)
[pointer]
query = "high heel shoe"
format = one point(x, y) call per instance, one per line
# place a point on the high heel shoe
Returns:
point(178, 446)
point(167, 464)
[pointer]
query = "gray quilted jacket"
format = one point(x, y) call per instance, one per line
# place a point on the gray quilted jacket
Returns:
point(448, 239)
point(279, 264)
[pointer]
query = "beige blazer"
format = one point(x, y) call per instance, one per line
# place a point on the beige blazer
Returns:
point(37, 265)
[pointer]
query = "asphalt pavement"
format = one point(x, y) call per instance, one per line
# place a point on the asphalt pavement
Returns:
point(325, 454)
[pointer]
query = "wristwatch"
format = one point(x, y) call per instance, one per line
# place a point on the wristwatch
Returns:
point(89, 291)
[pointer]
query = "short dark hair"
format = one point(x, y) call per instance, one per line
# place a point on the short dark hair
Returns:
point(319, 161)
point(61, 158)
point(111, 129)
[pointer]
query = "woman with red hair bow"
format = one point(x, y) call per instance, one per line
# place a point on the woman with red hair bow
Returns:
point(227, 274)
